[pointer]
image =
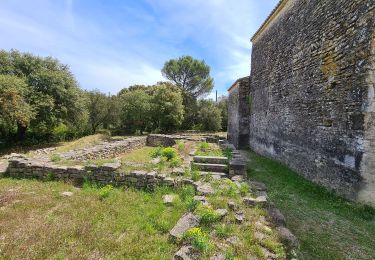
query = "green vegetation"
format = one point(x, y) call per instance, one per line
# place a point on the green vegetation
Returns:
point(198, 239)
point(126, 224)
point(55, 158)
point(41, 102)
point(169, 152)
point(327, 226)
point(207, 215)
point(206, 149)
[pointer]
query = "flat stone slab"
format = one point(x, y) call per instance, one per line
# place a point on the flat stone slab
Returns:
point(187, 221)
point(258, 186)
point(221, 212)
point(186, 253)
point(67, 193)
point(169, 199)
point(261, 201)
point(204, 188)
point(210, 159)
point(209, 167)
point(215, 175)
point(201, 199)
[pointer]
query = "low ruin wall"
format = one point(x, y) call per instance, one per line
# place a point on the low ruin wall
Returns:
point(110, 173)
point(106, 150)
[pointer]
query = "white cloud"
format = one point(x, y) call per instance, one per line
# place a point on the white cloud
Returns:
point(109, 47)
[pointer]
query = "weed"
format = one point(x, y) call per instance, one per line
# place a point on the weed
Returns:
point(224, 230)
point(180, 146)
point(244, 189)
point(207, 215)
point(228, 153)
point(55, 158)
point(198, 239)
point(105, 191)
point(156, 152)
point(204, 146)
point(195, 175)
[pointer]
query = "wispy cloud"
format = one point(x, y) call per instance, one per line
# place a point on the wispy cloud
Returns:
point(118, 43)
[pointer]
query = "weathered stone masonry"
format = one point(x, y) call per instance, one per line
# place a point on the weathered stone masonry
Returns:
point(312, 92)
point(238, 113)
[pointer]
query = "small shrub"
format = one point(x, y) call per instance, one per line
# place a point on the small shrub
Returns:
point(207, 215)
point(169, 152)
point(175, 162)
point(104, 132)
point(204, 146)
point(156, 152)
point(105, 191)
point(198, 239)
point(55, 158)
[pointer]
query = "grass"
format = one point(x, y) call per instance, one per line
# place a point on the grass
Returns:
point(37, 222)
point(141, 155)
point(209, 149)
point(327, 226)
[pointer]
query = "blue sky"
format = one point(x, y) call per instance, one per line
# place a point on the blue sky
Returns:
point(113, 44)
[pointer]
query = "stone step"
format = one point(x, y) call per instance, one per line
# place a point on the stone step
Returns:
point(209, 167)
point(210, 159)
point(215, 174)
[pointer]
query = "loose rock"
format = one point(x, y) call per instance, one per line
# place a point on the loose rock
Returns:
point(187, 221)
point(169, 199)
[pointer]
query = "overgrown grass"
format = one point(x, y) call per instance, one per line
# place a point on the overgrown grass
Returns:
point(327, 226)
point(37, 222)
point(208, 149)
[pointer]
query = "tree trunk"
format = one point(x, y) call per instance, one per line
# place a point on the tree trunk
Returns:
point(21, 132)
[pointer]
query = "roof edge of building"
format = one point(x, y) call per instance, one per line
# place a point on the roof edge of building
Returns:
point(235, 83)
point(270, 18)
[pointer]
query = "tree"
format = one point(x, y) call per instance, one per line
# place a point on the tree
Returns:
point(167, 107)
point(136, 109)
point(223, 106)
point(191, 75)
point(209, 116)
point(52, 91)
point(98, 108)
point(14, 110)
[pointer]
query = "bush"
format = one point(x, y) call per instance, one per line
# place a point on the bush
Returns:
point(156, 152)
point(60, 132)
point(207, 215)
point(169, 152)
point(198, 239)
point(105, 191)
point(228, 153)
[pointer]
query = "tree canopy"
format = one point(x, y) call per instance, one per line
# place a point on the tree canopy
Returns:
point(191, 75)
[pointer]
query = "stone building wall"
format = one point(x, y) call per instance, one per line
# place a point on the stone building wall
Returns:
point(238, 112)
point(312, 92)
